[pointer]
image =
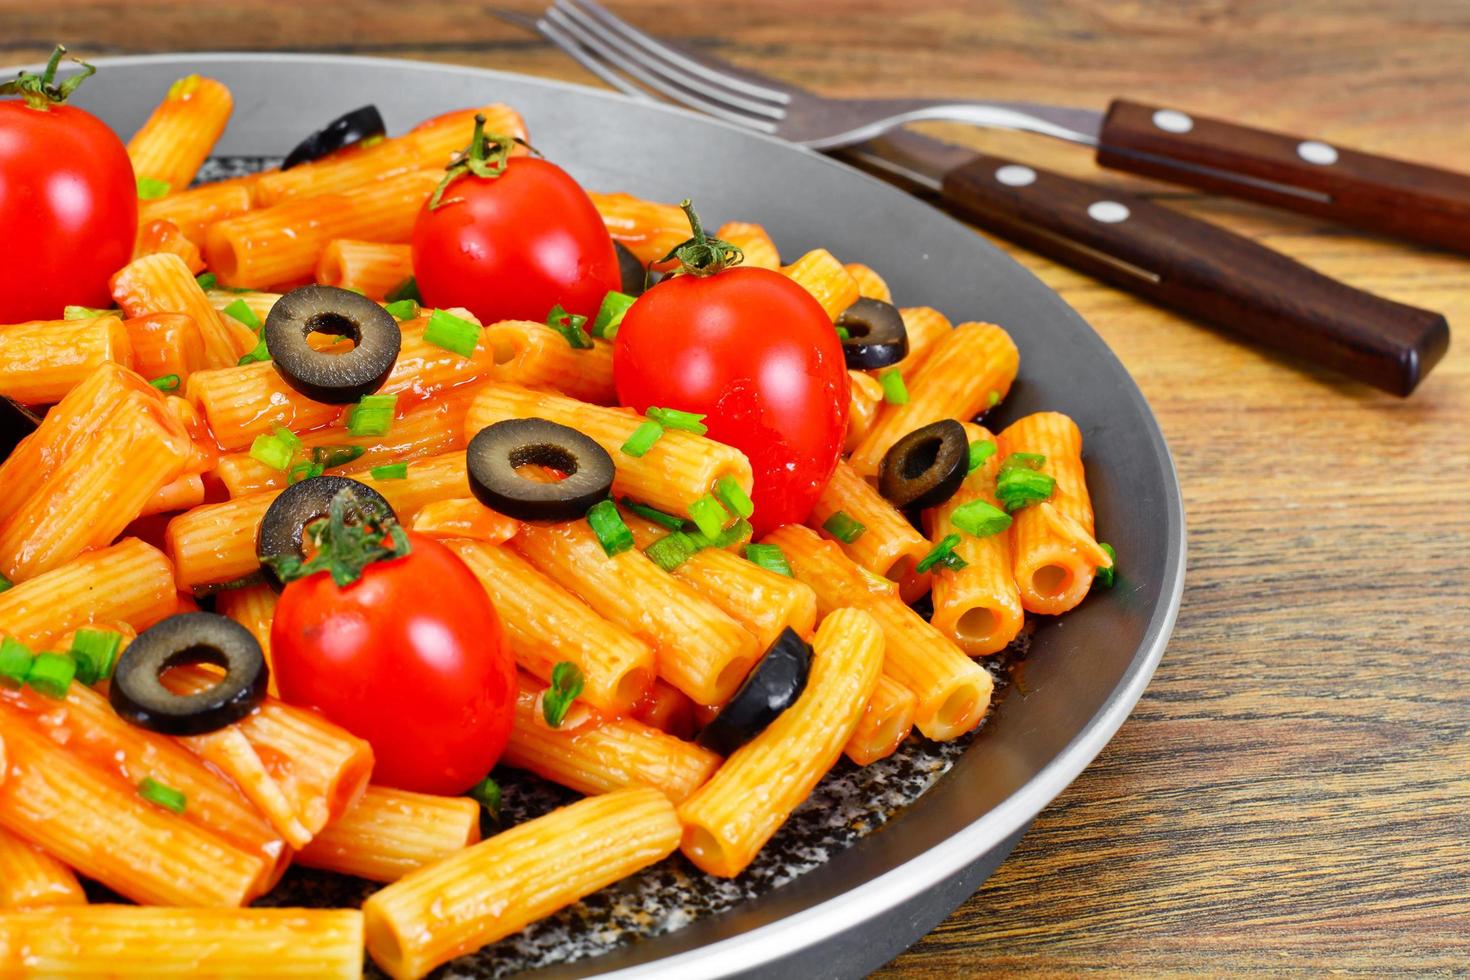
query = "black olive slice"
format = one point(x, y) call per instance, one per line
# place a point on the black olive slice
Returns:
point(139, 697)
point(876, 336)
point(16, 422)
point(342, 132)
point(299, 505)
point(925, 467)
point(334, 378)
point(496, 451)
point(772, 687)
point(634, 273)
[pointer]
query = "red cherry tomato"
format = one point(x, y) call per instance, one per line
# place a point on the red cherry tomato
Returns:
point(514, 246)
point(410, 657)
point(758, 355)
point(68, 208)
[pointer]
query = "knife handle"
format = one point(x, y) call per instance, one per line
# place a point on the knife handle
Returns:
point(1377, 193)
point(1203, 270)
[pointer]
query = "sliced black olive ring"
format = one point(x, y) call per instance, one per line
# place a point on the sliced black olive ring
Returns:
point(876, 336)
point(342, 132)
point(334, 378)
point(497, 450)
point(634, 273)
point(139, 697)
point(772, 687)
point(299, 505)
point(925, 467)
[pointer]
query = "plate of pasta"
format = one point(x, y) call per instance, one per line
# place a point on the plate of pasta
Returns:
point(458, 523)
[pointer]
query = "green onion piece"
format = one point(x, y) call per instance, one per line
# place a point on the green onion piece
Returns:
point(610, 314)
point(83, 313)
point(980, 519)
point(95, 652)
point(1022, 461)
point(607, 524)
point(941, 553)
point(290, 438)
point(487, 793)
point(671, 550)
point(979, 453)
point(372, 415)
point(643, 439)
point(992, 399)
point(709, 515)
point(770, 557)
point(569, 325)
point(150, 189)
point(453, 333)
point(407, 289)
point(52, 674)
point(272, 451)
point(329, 457)
point(844, 527)
point(303, 470)
point(842, 333)
point(15, 662)
point(165, 796)
point(734, 497)
point(169, 382)
point(654, 514)
point(1105, 576)
point(240, 310)
point(566, 684)
point(390, 471)
point(258, 353)
point(6, 584)
point(403, 309)
point(207, 281)
point(672, 418)
point(734, 534)
point(894, 390)
point(1021, 483)
point(953, 562)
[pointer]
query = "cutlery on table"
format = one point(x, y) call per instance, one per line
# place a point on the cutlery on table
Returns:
point(1158, 253)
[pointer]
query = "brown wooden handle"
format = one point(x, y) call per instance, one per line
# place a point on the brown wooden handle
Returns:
point(1377, 193)
point(1202, 270)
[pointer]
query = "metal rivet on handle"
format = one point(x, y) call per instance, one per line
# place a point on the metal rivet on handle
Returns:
point(1108, 212)
point(1173, 121)
point(1015, 175)
point(1315, 151)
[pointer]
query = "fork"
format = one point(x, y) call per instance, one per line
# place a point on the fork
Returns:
point(1155, 252)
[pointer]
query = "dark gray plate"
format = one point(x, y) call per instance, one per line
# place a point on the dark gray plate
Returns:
point(830, 899)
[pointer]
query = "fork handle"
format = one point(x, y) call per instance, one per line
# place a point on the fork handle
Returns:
point(1203, 270)
point(1377, 193)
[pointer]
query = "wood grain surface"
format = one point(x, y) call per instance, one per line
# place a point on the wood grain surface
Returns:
point(1293, 793)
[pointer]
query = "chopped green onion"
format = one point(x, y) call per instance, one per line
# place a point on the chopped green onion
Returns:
point(943, 553)
point(5, 584)
point(734, 497)
point(52, 674)
point(290, 438)
point(165, 796)
point(980, 519)
point(643, 439)
point(207, 281)
point(671, 550)
point(607, 524)
point(672, 418)
point(372, 415)
point(735, 533)
point(95, 652)
point(329, 457)
point(1023, 461)
point(843, 527)
point(566, 684)
point(569, 325)
point(610, 314)
point(770, 557)
point(407, 289)
point(240, 310)
point(256, 354)
point(894, 390)
point(84, 313)
point(653, 514)
point(169, 382)
point(453, 333)
point(709, 515)
point(390, 471)
point(403, 309)
point(151, 189)
point(15, 662)
point(303, 470)
point(992, 399)
point(1021, 483)
point(1105, 576)
point(842, 333)
point(272, 451)
point(980, 451)
point(487, 793)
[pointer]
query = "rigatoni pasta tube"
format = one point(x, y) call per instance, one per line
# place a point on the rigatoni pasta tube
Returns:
point(42, 360)
point(888, 546)
point(924, 326)
point(953, 691)
point(374, 268)
point(885, 723)
point(755, 244)
point(500, 885)
point(129, 943)
point(1054, 553)
point(700, 649)
point(545, 625)
point(181, 132)
point(161, 236)
point(969, 369)
point(729, 819)
point(193, 210)
point(464, 517)
point(162, 283)
point(535, 356)
point(255, 300)
point(864, 403)
point(870, 284)
point(130, 582)
point(819, 273)
point(30, 878)
point(978, 606)
point(390, 832)
point(255, 609)
point(165, 344)
point(648, 229)
point(605, 754)
point(679, 469)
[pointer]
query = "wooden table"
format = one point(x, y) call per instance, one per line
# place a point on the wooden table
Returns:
point(1293, 792)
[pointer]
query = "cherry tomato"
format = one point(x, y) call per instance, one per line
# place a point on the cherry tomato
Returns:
point(410, 657)
point(758, 355)
point(68, 205)
point(514, 246)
